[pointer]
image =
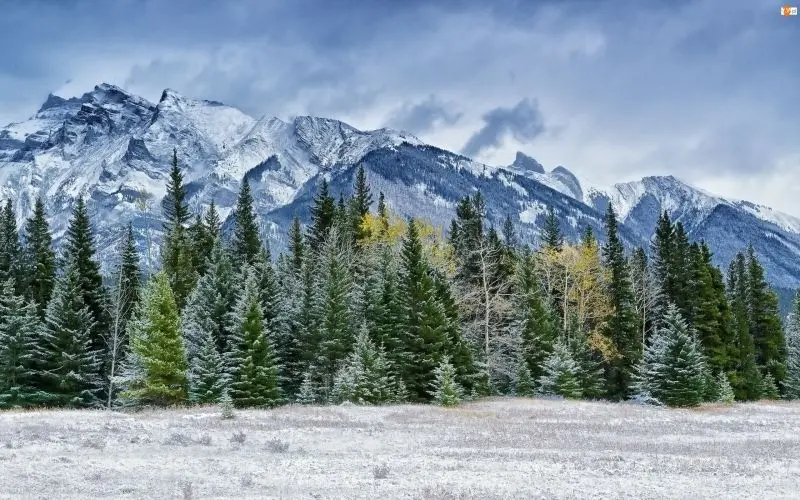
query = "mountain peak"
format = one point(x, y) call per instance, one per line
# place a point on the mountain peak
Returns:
point(525, 163)
point(568, 178)
point(171, 97)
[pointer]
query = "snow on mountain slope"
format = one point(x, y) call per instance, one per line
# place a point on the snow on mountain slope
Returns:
point(560, 179)
point(727, 225)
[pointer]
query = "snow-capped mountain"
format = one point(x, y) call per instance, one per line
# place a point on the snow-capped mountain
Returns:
point(115, 149)
point(727, 225)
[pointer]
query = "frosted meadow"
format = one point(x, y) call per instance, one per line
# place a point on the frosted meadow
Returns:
point(493, 449)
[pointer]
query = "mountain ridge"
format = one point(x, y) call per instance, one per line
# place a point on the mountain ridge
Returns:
point(115, 148)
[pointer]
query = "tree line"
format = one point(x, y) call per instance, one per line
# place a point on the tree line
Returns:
point(368, 307)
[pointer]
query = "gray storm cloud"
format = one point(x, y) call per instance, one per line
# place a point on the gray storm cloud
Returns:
point(523, 122)
point(424, 116)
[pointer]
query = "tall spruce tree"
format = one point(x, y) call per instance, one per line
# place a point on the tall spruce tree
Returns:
point(130, 276)
point(712, 315)
point(532, 320)
point(157, 349)
point(745, 377)
point(621, 324)
point(79, 252)
point(70, 366)
point(333, 303)
point(40, 258)
point(551, 234)
point(177, 256)
point(360, 204)
point(209, 304)
point(246, 242)
point(673, 368)
point(11, 261)
point(208, 378)
point(424, 323)
point(251, 360)
point(323, 211)
point(661, 251)
point(764, 321)
point(19, 337)
point(123, 299)
point(297, 246)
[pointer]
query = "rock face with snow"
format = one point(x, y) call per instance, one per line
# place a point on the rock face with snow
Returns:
point(115, 149)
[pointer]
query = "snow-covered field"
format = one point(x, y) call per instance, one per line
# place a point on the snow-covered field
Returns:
point(485, 450)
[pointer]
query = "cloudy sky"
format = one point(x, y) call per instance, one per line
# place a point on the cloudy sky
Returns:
point(706, 90)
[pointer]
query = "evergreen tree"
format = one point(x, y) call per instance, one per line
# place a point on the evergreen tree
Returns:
point(361, 203)
point(791, 384)
point(129, 277)
point(157, 349)
point(203, 234)
point(445, 390)
point(683, 291)
point(532, 320)
point(11, 261)
point(226, 406)
point(764, 321)
point(589, 362)
point(246, 242)
point(551, 234)
point(40, 258)
point(267, 287)
point(289, 334)
point(712, 315)
point(364, 376)
point(19, 336)
point(457, 348)
point(125, 294)
point(79, 252)
point(209, 304)
point(621, 324)
point(770, 388)
point(177, 256)
point(524, 382)
point(174, 205)
point(466, 236)
point(297, 246)
point(383, 214)
point(208, 379)
point(70, 367)
point(196, 237)
point(745, 376)
point(673, 369)
point(307, 395)
point(559, 374)
point(333, 302)
point(251, 361)
point(724, 390)
point(662, 257)
point(323, 210)
point(424, 324)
